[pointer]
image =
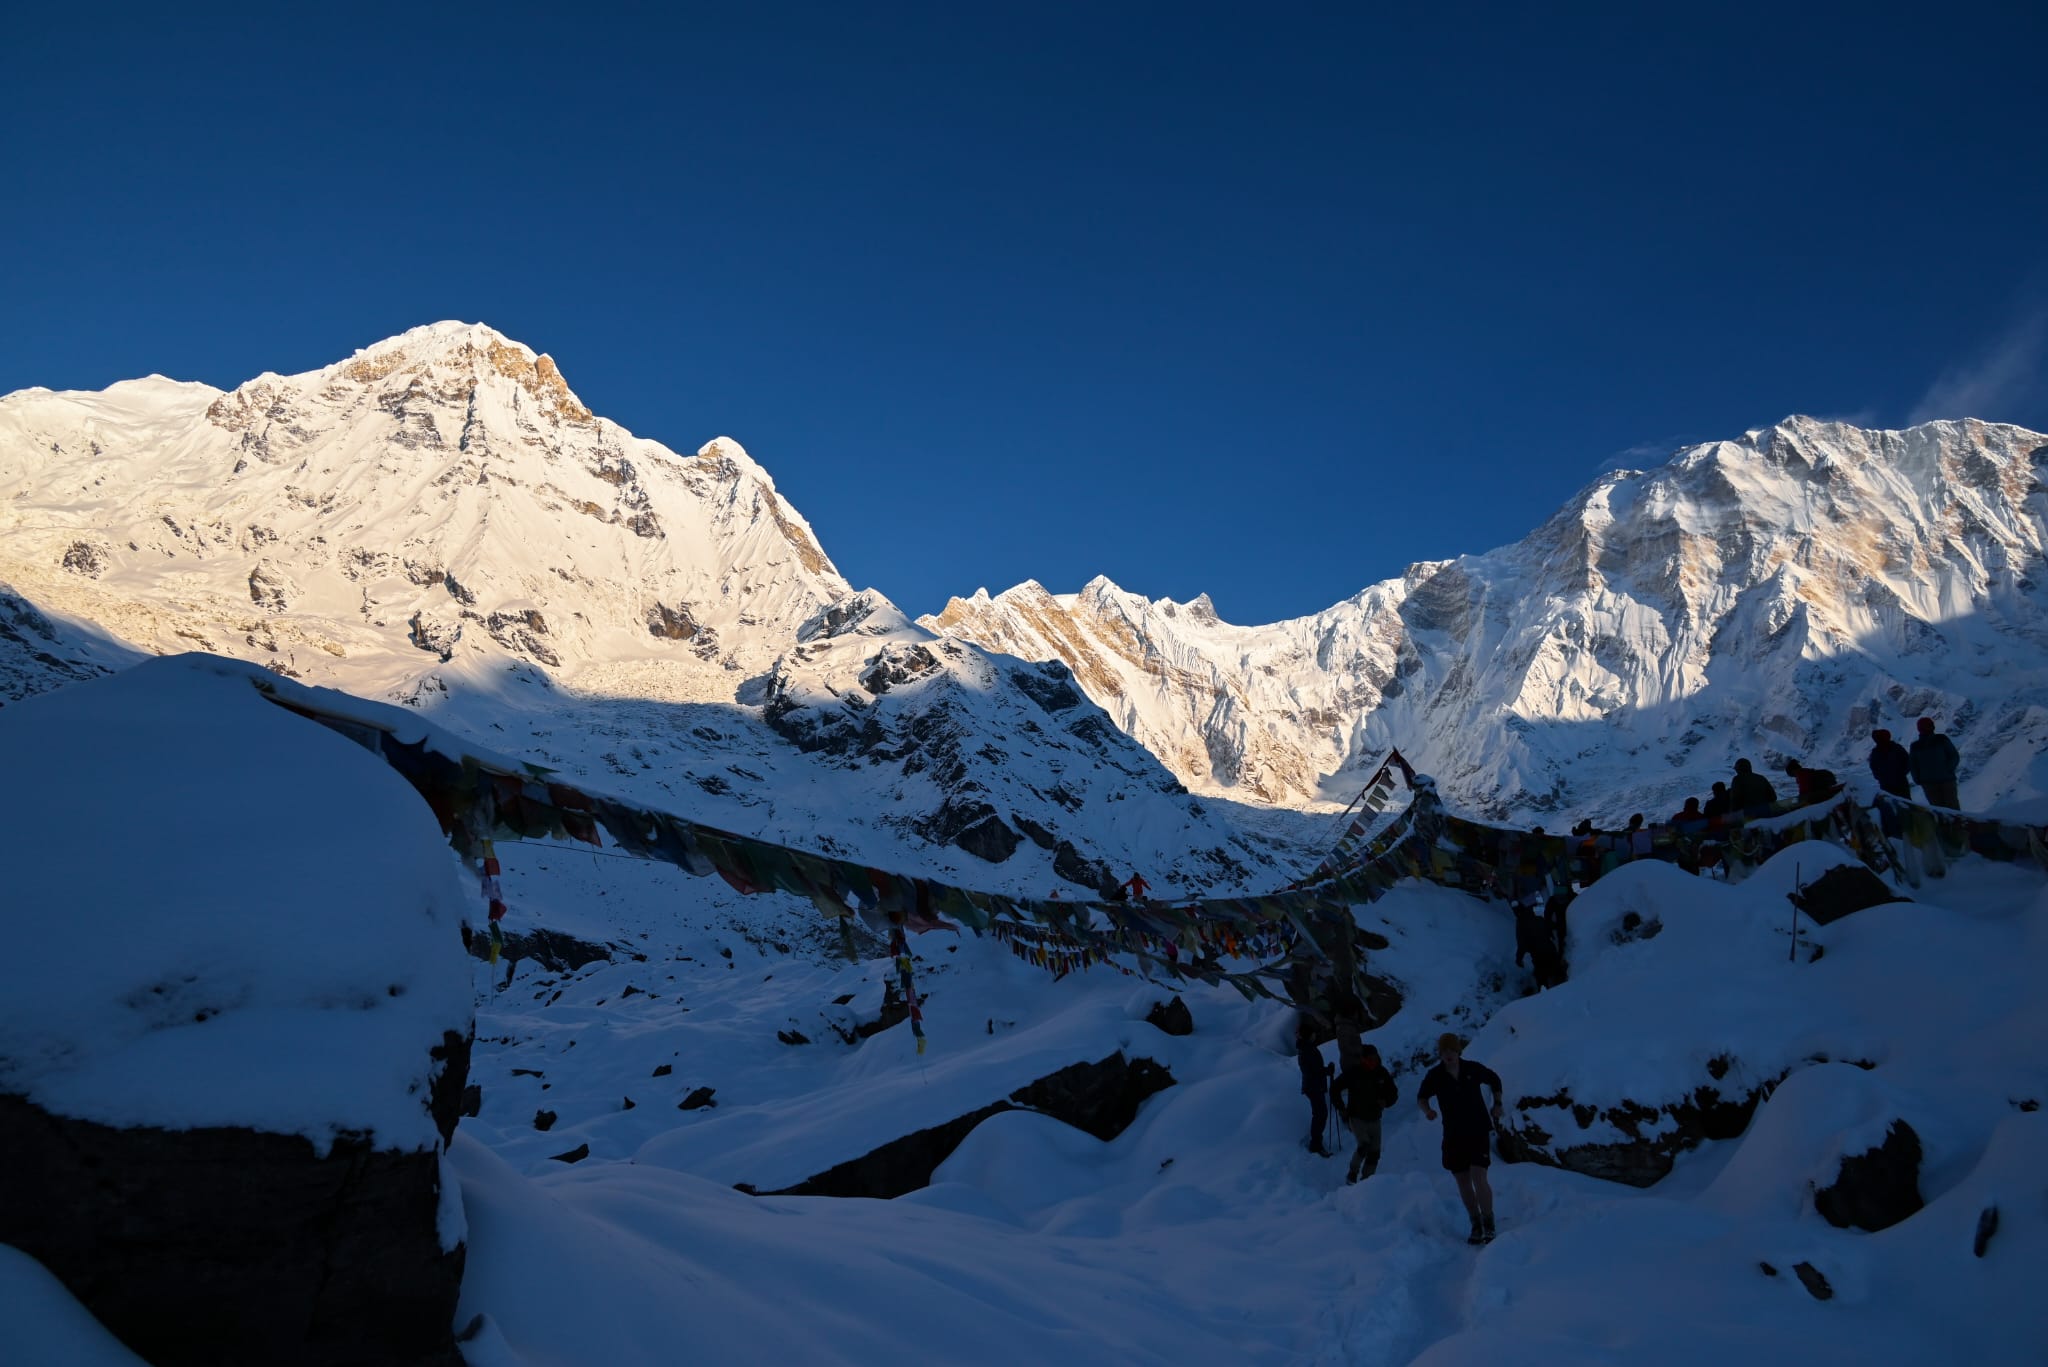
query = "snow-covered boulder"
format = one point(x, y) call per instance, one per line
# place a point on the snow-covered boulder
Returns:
point(1689, 999)
point(234, 1045)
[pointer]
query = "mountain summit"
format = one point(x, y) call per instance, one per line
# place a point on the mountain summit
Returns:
point(1774, 596)
point(439, 520)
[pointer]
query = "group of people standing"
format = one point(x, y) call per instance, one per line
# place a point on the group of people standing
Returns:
point(1362, 1090)
point(1932, 762)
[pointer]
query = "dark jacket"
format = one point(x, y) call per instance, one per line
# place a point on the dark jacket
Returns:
point(1315, 1074)
point(1463, 1106)
point(1532, 935)
point(1892, 767)
point(1750, 790)
point(1361, 1092)
point(1716, 807)
point(1934, 759)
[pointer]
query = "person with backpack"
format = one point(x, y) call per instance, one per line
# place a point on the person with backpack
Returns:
point(1315, 1082)
point(1935, 764)
point(1814, 784)
point(1361, 1092)
point(1468, 1127)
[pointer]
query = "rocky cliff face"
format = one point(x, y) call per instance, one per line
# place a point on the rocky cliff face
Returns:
point(1773, 596)
point(439, 520)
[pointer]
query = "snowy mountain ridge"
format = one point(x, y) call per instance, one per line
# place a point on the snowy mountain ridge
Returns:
point(439, 520)
point(1774, 596)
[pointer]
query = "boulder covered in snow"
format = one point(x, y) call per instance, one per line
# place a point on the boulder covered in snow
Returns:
point(1877, 1188)
point(1689, 1000)
point(236, 1041)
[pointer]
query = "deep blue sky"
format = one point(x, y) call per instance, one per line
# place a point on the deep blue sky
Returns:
point(1263, 300)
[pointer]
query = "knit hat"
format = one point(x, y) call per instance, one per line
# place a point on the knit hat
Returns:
point(1926, 725)
point(1880, 735)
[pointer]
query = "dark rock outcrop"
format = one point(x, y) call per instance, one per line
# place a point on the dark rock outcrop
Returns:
point(1101, 1098)
point(552, 950)
point(1645, 1156)
point(216, 1245)
point(1172, 1016)
point(1877, 1188)
point(1842, 891)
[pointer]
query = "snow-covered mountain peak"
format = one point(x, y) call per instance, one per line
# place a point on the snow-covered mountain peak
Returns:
point(438, 519)
point(1770, 595)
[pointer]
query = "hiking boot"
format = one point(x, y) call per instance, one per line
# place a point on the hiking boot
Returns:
point(1486, 1229)
point(1478, 1235)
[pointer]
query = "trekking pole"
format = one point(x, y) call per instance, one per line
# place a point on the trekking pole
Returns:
point(1792, 950)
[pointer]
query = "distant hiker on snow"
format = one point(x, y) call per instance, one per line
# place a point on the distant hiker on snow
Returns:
point(1935, 764)
point(1750, 790)
point(1554, 913)
point(1315, 1082)
point(1814, 784)
point(1468, 1127)
point(1360, 1093)
point(1535, 941)
point(1137, 887)
point(1890, 765)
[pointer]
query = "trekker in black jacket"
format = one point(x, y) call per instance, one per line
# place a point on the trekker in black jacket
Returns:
point(1360, 1093)
point(1750, 790)
point(1535, 941)
point(1468, 1127)
point(1935, 765)
point(1315, 1082)
point(1890, 765)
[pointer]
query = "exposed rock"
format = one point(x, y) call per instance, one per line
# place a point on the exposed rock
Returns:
point(214, 1245)
point(1172, 1016)
point(671, 623)
point(792, 1037)
point(575, 1155)
point(1101, 1098)
point(1816, 1285)
point(544, 1120)
point(662, 1070)
point(698, 1099)
point(1841, 891)
point(1655, 1134)
point(270, 589)
point(1987, 1226)
point(86, 558)
point(551, 949)
point(989, 839)
point(1877, 1188)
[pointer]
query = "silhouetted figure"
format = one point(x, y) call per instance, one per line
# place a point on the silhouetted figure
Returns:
point(1814, 784)
point(1361, 1092)
point(1936, 766)
point(1717, 805)
point(1689, 814)
point(1890, 765)
point(1315, 1083)
point(1750, 790)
